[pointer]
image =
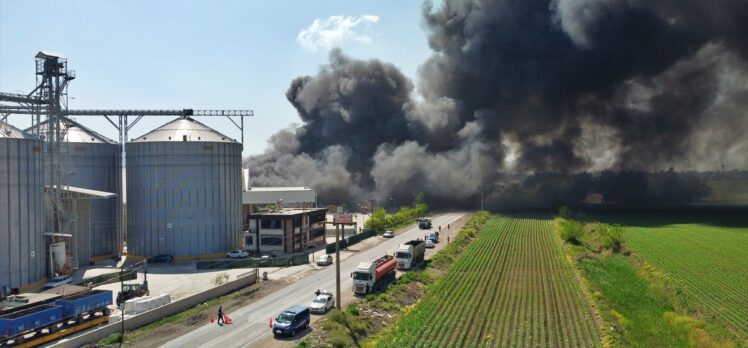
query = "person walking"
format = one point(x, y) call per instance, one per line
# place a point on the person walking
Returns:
point(220, 316)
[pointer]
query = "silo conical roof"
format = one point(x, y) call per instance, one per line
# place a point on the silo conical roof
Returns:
point(184, 129)
point(74, 132)
point(8, 131)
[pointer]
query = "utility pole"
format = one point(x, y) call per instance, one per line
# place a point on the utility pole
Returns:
point(337, 265)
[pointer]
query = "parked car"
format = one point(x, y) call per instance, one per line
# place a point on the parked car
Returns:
point(237, 254)
point(161, 259)
point(388, 234)
point(324, 260)
point(57, 281)
point(430, 243)
point(322, 303)
point(291, 320)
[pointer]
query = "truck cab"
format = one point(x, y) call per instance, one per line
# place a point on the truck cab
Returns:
point(370, 276)
point(363, 278)
point(410, 254)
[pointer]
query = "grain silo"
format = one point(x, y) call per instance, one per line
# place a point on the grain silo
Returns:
point(22, 251)
point(91, 161)
point(183, 191)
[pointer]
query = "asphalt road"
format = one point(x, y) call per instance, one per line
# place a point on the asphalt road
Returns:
point(250, 325)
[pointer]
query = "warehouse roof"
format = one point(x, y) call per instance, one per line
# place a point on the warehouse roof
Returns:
point(74, 132)
point(270, 195)
point(290, 212)
point(184, 129)
point(8, 131)
point(72, 192)
point(279, 188)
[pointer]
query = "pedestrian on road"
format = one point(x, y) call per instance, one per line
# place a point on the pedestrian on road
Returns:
point(220, 316)
point(448, 226)
point(440, 228)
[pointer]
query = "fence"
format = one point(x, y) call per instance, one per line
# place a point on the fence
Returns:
point(344, 243)
point(294, 260)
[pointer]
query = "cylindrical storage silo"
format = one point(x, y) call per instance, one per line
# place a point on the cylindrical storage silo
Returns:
point(91, 161)
point(183, 191)
point(22, 251)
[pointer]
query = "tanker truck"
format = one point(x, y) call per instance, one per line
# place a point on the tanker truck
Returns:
point(410, 254)
point(370, 276)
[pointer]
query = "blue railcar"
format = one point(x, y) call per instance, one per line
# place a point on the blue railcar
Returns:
point(33, 318)
point(84, 302)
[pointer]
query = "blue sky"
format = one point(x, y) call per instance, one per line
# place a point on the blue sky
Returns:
point(198, 54)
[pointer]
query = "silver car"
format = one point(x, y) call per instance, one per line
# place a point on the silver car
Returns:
point(324, 260)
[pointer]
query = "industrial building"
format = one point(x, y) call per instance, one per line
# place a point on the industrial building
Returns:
point(285, 230)
point(184, 191)
point(61, 184)
point(22, 249)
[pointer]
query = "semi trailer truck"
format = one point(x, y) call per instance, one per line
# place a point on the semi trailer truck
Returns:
point(410, 254)
point(374, 275)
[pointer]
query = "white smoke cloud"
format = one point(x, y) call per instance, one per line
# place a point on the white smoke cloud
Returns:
point(336, 30)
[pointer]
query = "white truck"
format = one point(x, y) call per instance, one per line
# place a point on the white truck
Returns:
point(371, 276)
point(410, 254)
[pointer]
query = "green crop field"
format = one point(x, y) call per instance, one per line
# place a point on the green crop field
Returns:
point(709, 262)
point(513, 286)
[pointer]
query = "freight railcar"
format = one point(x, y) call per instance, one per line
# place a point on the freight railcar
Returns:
point(47, 322)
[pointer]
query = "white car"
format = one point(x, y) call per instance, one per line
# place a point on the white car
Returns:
point(322, 303)
point(388, 234)
point(429, 243)
point(237, 254)
point(57, 281)
point(324, 260)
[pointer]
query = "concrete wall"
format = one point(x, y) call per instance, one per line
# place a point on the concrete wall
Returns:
point(153, 315)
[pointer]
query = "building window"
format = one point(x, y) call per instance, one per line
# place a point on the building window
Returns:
point(271, 223)
point(249, 240)
point(271, 239)
point(316, 218)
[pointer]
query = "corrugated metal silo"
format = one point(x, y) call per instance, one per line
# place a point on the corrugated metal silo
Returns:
point(22, 251)
point(183, 191)
point(93, 162)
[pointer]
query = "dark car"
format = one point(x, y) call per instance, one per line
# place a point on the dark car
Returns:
point(161, 259)
point(291, 321)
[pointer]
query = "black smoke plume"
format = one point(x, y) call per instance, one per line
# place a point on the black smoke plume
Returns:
point(524, 86)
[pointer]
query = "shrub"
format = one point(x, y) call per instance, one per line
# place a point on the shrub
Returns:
point(612, 237)
point(353, 309)
point(570, 231)
point(220, 278)
point(565, 213)
point(337, 316)
point(340, 339)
